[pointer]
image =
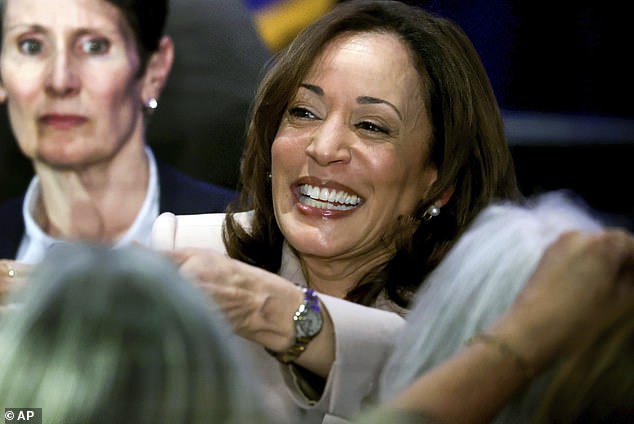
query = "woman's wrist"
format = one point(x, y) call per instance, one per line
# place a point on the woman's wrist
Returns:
point(307, 322)
point(527, 338)
point(320, 353)
point(277, 312)
point(482, 376)
point(506, 350)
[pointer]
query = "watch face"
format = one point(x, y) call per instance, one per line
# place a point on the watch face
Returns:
point(310, 324)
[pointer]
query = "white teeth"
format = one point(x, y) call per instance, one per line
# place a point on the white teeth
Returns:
point(327, 199)
point(323, 205)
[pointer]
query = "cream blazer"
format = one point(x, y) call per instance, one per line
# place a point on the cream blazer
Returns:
point(364, 336)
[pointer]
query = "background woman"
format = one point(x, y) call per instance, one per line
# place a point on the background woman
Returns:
point(80, 79)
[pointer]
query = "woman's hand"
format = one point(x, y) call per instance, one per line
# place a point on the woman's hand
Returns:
point(581, 279)
point(13, 275)
point(258, 304)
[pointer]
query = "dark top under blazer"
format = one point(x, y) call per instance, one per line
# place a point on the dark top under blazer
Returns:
point(179, 194)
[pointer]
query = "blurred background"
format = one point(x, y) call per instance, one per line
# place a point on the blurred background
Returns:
point(560, 70)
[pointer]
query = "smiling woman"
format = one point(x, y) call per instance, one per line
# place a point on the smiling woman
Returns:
point(375, 139)
point(352, 128)
point(80, 78)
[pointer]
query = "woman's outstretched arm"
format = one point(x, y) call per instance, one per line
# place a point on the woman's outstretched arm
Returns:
point(580, 280)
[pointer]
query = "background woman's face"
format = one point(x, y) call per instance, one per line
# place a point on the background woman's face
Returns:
point(69, 73)
point(349, 156)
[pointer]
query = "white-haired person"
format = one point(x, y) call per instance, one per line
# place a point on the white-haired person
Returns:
point(104, 335)
point(476, 284)
point(593, 381)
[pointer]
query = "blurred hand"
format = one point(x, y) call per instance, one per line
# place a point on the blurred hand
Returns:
point(258, 304)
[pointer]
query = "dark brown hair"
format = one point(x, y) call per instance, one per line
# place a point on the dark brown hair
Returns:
point(468, 148)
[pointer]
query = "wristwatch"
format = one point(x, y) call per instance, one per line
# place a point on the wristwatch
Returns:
point(308, 322)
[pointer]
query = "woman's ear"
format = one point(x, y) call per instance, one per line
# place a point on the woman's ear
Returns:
point(444, 197)
point(158, 69)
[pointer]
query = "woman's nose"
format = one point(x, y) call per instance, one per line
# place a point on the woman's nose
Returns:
point(330, 143)
point(63, 79)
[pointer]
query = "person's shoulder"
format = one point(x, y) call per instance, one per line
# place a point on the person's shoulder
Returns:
point(182, 194)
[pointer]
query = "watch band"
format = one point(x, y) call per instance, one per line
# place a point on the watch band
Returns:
point(307, 310)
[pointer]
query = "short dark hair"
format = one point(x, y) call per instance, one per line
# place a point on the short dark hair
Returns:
point(147, 19)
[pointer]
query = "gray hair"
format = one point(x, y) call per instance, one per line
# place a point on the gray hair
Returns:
point(476, 283)
point(105, 335)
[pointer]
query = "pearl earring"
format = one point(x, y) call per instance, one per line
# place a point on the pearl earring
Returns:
point(431, 212)
point(152, 104)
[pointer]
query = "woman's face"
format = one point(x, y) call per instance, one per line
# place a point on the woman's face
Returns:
point(68, 71)
point(351, 152)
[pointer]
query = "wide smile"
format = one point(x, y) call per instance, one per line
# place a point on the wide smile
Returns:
point(326, 200)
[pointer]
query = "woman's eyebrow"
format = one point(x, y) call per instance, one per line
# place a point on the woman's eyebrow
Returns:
point(364, 100)
point(315, 89)
point(25, 26)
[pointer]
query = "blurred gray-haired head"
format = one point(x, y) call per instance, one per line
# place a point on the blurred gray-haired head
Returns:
point(476, 283)
point(105, 335)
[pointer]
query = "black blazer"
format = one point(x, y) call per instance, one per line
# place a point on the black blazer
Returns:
point(179, 194)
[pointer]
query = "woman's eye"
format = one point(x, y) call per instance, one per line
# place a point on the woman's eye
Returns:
point(372, 127)
point(30, 46)
point(95, 46)
point(301, 112)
